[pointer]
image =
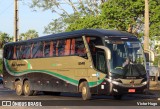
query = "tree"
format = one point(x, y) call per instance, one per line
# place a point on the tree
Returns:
point(125, 15)
point(77, 10)
point(4, 38)
point(30, 34)
point(86, 23)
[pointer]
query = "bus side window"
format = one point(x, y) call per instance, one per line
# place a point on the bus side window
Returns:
point(72, 46)
point(51, 49)
point(80, 48)
point(92, 42)
point(14, 53)
point(40, 50)
point(23, 54)
point(100, 62)
point(18, 55)
point(28, 51)
point(67, 46)
point(35, 50)
point(61, 47)
point(9, 52)
point(54, 47)
point(46, 49)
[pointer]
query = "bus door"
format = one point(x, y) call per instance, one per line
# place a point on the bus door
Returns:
point(102, 57)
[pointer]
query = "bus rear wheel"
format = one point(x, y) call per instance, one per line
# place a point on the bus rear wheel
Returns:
point(85, 90)
point(27, 89)
point(19, 88)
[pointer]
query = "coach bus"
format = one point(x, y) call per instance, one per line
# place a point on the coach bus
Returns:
point(88, 61)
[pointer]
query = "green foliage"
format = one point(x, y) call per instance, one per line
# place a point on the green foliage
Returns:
point(60, 24)
point(77, 9)
point(86, 22)
point(30, 34)
point(125, 15)
point(4, 38)
point(156, 61)
point(154, 6)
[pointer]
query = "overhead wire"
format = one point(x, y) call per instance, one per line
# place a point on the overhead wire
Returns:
point(9, 6)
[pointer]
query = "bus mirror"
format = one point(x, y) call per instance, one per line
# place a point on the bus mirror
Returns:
point(107, 50)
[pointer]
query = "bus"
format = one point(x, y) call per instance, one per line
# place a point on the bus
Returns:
point(88, 61)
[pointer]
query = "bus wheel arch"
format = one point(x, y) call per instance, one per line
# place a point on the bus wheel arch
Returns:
point(80, 81)
point(84, 89)
point(18, 86)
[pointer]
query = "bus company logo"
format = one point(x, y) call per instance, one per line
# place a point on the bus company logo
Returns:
point(131, 81)
point(15, 64)
point(81, 63)
point(6, 103)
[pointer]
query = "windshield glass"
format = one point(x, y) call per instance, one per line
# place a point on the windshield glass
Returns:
point(124, 53)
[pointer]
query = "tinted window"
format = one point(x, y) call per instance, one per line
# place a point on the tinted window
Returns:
point(61, 47)
point(73, 41)
point(37, 50)
point(67, 47)
point(54, 48)
point(27, 52)
point(9, 52)
point(92, 42)
point(101, 61)
point(80, 47)
point(18, 54)
point(46, 49)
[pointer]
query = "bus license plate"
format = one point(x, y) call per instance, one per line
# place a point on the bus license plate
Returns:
point(131, 90)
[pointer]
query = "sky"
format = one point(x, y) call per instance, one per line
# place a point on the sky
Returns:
point(28, 19)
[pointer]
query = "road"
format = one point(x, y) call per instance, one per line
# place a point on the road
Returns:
point(75, 100)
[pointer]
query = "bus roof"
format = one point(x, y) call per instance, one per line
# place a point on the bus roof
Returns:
point(86, 32)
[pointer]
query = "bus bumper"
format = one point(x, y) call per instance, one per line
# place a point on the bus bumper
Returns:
point(118, 89)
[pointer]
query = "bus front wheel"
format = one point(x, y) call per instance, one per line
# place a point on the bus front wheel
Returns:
point(86, 94)
point(27, 88)
point(19, 88)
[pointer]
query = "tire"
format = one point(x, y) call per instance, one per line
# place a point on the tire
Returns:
point(27, 89)
point(117, 97)
point(19, 88)
point(85, 90)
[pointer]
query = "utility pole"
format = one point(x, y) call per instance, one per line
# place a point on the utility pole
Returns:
point(16, 20)
point(146, 25)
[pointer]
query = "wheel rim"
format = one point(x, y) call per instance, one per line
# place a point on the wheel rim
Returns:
point(19, 88)
point(84, 90)
point(26, 88)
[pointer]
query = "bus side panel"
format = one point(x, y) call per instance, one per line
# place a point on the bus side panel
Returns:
point(45, 82)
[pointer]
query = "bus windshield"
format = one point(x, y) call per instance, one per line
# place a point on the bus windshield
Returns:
point(124, 53)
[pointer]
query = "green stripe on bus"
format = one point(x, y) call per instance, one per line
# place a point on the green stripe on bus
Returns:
point(65, 78)
point(95, 83)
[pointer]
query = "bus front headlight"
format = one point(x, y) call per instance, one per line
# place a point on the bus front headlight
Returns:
point(144, 83)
